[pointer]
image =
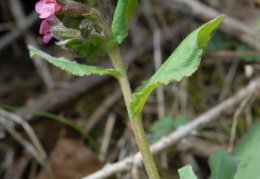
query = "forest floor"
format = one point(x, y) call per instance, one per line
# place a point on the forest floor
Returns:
point(79, 125)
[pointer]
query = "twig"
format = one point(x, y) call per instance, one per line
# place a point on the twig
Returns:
point(14, 34)
point(29, 147)
point(235, 121)
point(198, 146)
point(107, 136)
point(102, 110)
point(209, 116)
point(35, 141)
point(9, 159)
point(28, 130)
point(233, 27)
point(233, 54)
point(6, 26)
point(229, 79)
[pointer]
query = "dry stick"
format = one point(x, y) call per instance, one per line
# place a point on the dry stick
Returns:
point(6, 26)
point(235, 28)
point(198, 147)
point(14, 34)
point(235, 121)
point(110, 124)
point(209, 116)
point(7, 162)
point(27, 128)
point(229, 79)
point(102, 110)
point(233, 54)
point(28, 146)
point(41, 66)
point(34, 139)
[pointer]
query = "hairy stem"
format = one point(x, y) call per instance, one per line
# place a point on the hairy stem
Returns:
point(136, 123)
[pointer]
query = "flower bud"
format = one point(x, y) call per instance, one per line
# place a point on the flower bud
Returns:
point(62, 33)
point(75, 9)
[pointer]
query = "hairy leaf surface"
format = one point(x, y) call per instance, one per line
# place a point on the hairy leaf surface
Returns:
point(182, 63)
point(123, 13)
point(71, 66)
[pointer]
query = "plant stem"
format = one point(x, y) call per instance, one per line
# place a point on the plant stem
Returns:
point(136, 123)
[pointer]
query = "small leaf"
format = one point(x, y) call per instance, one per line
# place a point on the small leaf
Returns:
point(247, 152)
point(222, 165)
point(206, 32)
point(187, 173)
point(124, 11)
point(71, 66)
point(182, 63)
point(90, 48)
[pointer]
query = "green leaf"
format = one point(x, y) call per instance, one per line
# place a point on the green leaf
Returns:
point(165, 126)
point(222, 165)
point(182, 63)
point(124, 11)
point(90, 48)
point(187, 173)
point(247, 152)
point(71, 66)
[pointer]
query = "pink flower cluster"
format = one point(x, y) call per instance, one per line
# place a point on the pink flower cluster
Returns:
point(47, 10)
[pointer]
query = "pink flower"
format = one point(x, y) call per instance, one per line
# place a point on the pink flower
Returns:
point(45, 28)
point(47, 7)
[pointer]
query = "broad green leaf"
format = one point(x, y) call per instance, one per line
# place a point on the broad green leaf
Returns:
point(71, 66)
point(182, 63)
point(165, 126)
point(247, 152)
point(222, 165)
point(124, 11)
point(187, 173)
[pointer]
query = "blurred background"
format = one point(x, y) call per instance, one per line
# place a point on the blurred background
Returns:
point(53, 124)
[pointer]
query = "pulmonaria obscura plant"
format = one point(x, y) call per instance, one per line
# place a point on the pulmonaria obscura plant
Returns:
point(77, 25)
point(47, 10)
point(81, 28)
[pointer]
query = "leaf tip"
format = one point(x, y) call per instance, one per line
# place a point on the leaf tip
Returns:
point(207, 30)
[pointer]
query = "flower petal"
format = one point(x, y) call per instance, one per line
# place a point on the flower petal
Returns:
point(47, 38)
point(45, 9)
point(45, 27)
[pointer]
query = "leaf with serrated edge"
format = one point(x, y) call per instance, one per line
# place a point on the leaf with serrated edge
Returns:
point(71, 66)
point(187, 173)
point(124, 11)
point(182, 63)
